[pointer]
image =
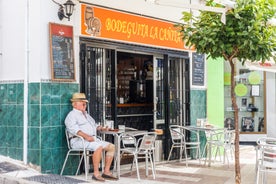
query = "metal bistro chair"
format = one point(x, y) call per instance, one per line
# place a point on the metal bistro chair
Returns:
point(83, 152)
point(220, 139)
point(178, 136)
point(142, 147)
point(229, 144)
point(267, 162)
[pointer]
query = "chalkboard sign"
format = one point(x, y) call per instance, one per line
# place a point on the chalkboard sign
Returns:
point(198, 69)
point(62, 52)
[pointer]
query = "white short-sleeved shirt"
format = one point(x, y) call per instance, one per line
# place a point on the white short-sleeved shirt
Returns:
point(76, 121)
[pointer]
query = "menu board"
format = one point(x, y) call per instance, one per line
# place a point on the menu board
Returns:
point(198, 69)
point(62, 52)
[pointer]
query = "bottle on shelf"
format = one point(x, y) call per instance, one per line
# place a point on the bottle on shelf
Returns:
point(134, 73)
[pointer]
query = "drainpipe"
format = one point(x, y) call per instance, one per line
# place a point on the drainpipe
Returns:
point(26, 84)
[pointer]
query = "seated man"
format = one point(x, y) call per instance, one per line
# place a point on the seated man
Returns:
point(79, 122)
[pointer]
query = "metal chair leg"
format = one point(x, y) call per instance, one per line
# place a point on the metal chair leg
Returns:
point(152, 166)
point(170, 154)
point(79, 164)
point(137, 167)
point(85, 165)
point(65, 161)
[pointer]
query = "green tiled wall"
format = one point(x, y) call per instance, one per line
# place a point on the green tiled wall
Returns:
point(198, 110)
point(198, 105)
point(11, 120)
point(48, 106)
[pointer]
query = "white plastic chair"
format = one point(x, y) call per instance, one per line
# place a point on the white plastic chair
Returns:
point(83, 152)
point(178, 137)
point(142, 147)
point(267, 162)
point(220, 139)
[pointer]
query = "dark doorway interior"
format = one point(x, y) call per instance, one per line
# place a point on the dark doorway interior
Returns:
point(135, 90)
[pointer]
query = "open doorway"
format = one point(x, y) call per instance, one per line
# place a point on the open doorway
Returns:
point(135, 90)
point(134, 75)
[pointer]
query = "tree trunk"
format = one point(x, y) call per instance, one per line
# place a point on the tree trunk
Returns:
point(236, 120)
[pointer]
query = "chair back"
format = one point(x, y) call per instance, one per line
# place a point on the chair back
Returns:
point(176, 133)
point(67, 138)
point(216, 134)
point(229, 136)
point(193, 135)
point(148, 141)
point(128, 141)
point(268, 152)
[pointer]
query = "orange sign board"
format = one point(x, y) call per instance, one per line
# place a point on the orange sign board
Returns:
point(110, 24)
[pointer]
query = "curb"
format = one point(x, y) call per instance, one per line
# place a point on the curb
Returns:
point(13, 180)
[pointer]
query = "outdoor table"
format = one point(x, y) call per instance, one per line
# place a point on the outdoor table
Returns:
point(117, 142)
point(211, 129)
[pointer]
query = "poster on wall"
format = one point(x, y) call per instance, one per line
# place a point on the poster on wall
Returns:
point(62, 52)
point(247, 124)
point(198, 69)
point(255, 90)
point(229, 123)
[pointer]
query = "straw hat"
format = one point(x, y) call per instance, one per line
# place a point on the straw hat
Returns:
point(79, 97)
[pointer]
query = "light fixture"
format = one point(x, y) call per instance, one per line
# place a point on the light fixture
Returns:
point(69, 8)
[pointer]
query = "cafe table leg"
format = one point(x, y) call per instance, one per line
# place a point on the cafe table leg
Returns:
point(118, 159)
point(210, 151)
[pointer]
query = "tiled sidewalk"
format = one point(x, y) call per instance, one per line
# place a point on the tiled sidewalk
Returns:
point(172, 172)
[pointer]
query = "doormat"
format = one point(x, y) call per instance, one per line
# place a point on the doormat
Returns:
point(54, 179)
point(6, 167)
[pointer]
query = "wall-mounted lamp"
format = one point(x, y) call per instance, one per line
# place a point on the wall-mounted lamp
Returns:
point(69, 8)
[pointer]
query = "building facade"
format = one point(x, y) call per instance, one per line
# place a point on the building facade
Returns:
point(44, 60)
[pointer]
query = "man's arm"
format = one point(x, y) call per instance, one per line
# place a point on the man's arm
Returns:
point(86, 137)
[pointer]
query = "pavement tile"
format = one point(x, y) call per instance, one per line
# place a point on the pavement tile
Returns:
point(54, 179)
point(173, 172)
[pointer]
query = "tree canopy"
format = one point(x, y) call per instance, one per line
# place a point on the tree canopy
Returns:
point(245, 35)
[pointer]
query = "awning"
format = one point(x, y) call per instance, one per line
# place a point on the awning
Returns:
point(268, 66)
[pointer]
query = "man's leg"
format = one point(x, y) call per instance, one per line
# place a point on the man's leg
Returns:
point(97, 156)
point(108, 161)
point(110, 150)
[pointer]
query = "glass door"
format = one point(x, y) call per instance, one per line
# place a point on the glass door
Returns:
point(178, 87)
point(159, 113)
point(172, 95)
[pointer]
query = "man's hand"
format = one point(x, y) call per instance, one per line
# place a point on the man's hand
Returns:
point(90, 138)
point(101, 128)
point(105, 128)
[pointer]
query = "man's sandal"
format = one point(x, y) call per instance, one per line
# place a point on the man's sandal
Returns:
point(109, 177)
point(98, 178)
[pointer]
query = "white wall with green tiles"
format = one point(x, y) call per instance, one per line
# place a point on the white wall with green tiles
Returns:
point(48, 106)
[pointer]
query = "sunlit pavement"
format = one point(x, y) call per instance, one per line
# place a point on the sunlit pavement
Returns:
point(12, 171)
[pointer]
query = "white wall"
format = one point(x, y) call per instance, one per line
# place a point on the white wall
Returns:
point(27, 40)
point(271, 104)
point(1, 38)
point(13, 40)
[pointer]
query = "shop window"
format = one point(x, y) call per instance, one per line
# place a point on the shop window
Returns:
point(250, 95)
